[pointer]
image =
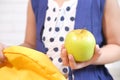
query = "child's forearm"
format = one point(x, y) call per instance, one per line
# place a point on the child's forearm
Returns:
point(109, 53)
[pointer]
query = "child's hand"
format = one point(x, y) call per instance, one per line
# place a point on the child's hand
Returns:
point(2, 57)
point(68, 59)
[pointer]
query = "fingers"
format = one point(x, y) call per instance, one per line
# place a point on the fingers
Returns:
point(77, 65)
point(68, 60)
point(64, 56)
point(2, 57)
point(97, 49)
point(72, 62)
point(97, 53)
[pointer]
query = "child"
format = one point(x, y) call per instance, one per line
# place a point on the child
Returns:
point(49, 21)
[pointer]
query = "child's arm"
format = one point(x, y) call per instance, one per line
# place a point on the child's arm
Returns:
point(111, 51)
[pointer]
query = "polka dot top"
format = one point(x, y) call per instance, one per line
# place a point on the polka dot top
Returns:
point(58, 22)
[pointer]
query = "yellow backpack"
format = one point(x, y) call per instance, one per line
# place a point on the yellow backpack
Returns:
point(28, 64)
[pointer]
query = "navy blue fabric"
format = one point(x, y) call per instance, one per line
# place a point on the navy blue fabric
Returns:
point(92, 73)
point(39, 8)
point(89, 16)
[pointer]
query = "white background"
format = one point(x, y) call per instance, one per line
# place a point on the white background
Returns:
point(13, 22)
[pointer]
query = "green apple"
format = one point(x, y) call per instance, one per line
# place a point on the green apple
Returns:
point(80, 43)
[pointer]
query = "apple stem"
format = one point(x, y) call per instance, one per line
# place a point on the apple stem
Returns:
point(82, 31)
